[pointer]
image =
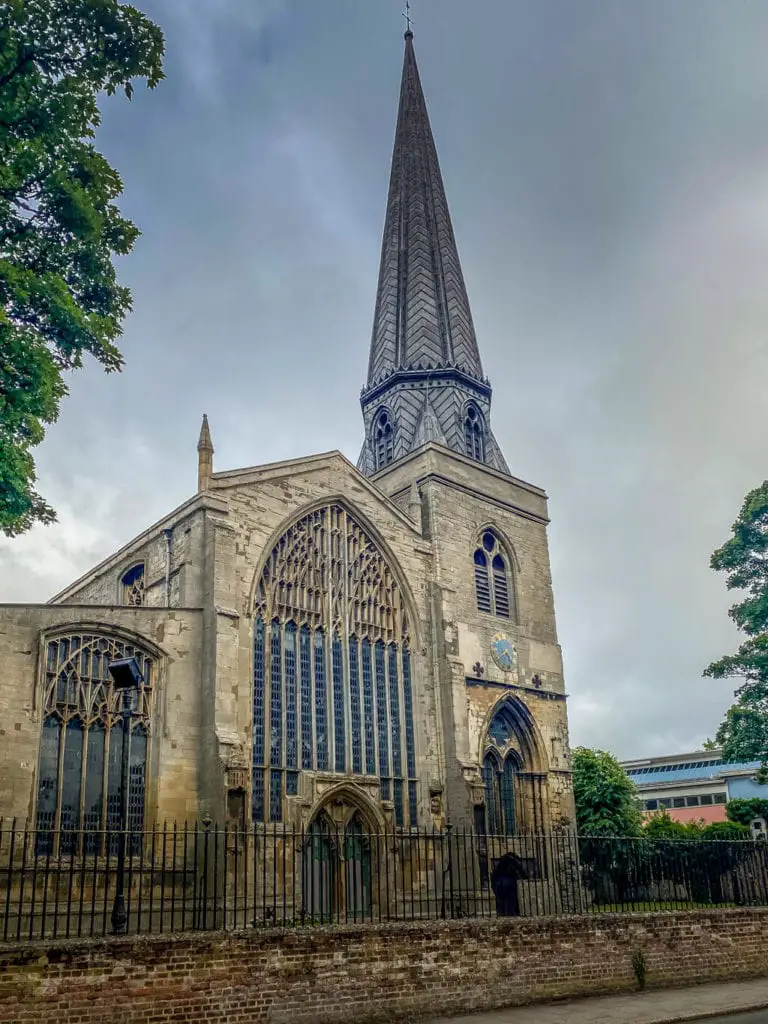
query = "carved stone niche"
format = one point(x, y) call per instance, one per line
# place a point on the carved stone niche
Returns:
point(237, 778)
point(236, 782)
point(476, 790)
point(436, 799)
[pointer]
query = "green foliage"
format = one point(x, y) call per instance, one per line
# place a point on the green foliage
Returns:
point(661, 826)
point(606, 798)
point(59, 225)
point(744, 559)
point(725, 831)
point(742, 812)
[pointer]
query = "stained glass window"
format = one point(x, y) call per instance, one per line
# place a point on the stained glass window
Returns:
point(275, 795)
point(394, 725)
point(291, 744)
point(326, 577)
point(354, 704)
point(81, 742)
point(259, 689)
point(500, 767)
point(368, 719)
point(321, 703)
point(305, 644)
point(501, 728)
point(410, 749)
point(507, 783)
point(339, 731)
point(275, 699)
point(491, 784)
point(381, 710)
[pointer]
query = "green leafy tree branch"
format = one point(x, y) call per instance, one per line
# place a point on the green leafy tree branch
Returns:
point(60, 226)
point(743, 735)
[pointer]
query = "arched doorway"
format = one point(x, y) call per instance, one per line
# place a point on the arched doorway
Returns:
point(337, 864)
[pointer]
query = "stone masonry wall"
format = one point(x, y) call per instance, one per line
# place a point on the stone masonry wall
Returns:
point(261, 502)
point(459, 500)
point(373, 973)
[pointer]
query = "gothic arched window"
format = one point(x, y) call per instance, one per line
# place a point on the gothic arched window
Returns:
point(383, 440)
point(132, 586)
point(333, 687)
point(474, 433)
point(81, 743)
point(500, 768)
point(493, 584)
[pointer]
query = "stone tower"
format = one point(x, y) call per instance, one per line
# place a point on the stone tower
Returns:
point(429, 446)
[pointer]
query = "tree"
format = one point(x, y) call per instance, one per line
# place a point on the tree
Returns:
point(743, 734)
point(606, 798)
point(743, 812)
point(725, 831)
point(59, 225)
point(661, 825)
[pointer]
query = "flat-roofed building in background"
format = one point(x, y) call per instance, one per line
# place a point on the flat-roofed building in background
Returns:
point(694, 786)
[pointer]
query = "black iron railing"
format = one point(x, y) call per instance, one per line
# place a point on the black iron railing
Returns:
point(204, 876)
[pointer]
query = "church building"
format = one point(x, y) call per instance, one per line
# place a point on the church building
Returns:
point(368, 645)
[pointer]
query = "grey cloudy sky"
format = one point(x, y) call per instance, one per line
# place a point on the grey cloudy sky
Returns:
point(607, 170)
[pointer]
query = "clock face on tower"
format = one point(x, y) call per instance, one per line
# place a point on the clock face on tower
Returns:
point(503, 652)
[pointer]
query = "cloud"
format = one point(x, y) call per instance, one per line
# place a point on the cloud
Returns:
point(207, 40)
point(605, 169)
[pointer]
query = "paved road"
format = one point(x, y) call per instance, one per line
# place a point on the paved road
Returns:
point(719, 1003)
point(758, 1017)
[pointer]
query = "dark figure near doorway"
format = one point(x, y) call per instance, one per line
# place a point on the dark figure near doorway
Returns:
point(504, 878)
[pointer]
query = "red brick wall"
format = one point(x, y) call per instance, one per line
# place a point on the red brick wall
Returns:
point(369, 973)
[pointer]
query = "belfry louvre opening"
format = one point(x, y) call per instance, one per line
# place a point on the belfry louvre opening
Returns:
point(333, 676)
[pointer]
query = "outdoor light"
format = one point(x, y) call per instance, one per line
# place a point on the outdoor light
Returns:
point(127, 677)
point(125, 673)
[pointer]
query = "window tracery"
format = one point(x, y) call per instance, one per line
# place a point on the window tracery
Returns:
point(384, 440)
point(327, 583)
point(81, 742)
point(493, 584)
point(500, 769)
point(474, 433)
point(132, 584)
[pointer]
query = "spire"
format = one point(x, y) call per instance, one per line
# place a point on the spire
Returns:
point(424, 369)
point(422, 316)
point(204, 456)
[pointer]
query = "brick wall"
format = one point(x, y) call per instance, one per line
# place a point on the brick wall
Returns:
point(370, 973)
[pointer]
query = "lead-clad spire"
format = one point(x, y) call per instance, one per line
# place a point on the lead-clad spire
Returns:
point(422, 315)
point(425, 378)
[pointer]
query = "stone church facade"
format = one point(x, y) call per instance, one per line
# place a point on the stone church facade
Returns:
point(370, 644)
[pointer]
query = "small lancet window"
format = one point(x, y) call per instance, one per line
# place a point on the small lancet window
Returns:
point(474, 434)
point(493, 586)
point(132, 585)
point(384, 440)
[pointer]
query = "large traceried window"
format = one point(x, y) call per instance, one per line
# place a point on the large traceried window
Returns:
point(132, 586)
point(81, 743)
point(493, 582)
point(333, 688)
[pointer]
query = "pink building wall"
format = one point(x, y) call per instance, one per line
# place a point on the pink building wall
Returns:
point(708, 814)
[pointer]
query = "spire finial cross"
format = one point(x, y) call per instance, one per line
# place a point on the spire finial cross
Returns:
point(407, 15)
